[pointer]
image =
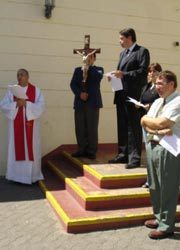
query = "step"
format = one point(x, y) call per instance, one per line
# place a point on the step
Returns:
point(75, 219)
point(92, 197)
point(107, 175)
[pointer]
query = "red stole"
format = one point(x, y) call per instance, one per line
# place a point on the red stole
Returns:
point(19, 143)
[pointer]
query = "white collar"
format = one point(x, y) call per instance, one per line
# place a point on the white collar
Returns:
point(132, 47)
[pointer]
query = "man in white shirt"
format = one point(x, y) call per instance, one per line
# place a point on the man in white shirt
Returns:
point(24, 148)
point(162, 119)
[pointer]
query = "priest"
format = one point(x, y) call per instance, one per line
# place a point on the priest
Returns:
point(24, 148)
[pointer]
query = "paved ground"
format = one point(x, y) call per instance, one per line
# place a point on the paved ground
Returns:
point(27, 222)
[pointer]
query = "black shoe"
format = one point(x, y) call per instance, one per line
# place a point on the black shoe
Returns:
point(91, 156)
point(78, 154)
point(130, 166)
point(118, 159)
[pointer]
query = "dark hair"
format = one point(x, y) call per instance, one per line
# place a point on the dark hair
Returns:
point(169, 76)
point(24, 70)
point(129, 32)
point(155, 66)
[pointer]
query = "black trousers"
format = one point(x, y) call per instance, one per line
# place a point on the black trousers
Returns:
point(129, 132)
point(86, 128)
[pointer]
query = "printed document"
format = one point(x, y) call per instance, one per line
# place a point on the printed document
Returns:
point(135, 102)
point(116, 83)
point(171, 143)
point(17, 91)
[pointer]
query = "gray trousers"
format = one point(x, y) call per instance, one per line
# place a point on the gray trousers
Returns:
point(164, 180)
point(86, 128)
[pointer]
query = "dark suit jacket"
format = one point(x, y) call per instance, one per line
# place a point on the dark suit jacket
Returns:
point(95, 75)
point(149, 94)
point(135, 68)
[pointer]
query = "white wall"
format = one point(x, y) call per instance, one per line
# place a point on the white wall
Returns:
point(45, 48)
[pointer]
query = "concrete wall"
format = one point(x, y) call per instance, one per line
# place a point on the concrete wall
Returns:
point(44, 47)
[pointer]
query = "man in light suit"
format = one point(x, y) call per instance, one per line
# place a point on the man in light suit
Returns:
point(132, 69)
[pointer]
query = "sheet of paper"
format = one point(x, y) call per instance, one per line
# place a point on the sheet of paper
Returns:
point(171, 143)
point(116, 83)
point(135, 102)
point(17, 91)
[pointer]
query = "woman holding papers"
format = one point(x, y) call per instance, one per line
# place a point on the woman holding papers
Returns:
point(149, 93)
point(24, 149)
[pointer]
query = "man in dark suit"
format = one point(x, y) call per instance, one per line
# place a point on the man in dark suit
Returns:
point(132, 69)
point(87, 103)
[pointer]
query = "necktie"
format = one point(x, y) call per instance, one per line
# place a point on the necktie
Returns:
point(127, 52)
point(125, 56)
point(161, 107)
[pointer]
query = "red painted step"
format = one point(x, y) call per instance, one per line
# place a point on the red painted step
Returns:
point(66, 196)
point(92, 197)
point(75, 219)
point(100, 172)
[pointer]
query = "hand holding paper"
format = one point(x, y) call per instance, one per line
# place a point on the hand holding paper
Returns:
point(135, 102)
point(171, 143)
point(116, 83)
point(17, 91)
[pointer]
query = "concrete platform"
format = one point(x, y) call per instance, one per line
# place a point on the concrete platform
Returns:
point(108, 175)
point(75, 219)
point(90, 195)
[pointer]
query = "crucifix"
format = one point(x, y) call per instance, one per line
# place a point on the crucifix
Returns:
point(86, 52)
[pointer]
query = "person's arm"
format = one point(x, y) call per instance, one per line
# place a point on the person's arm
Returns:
point(8, 106)
point(156, 123)
point(165, 131)
point(96, 73)
point(75, 87)
point(35, 110)
point(141, 70)
point(20, 102)
point(75, 84)
point(159, 125)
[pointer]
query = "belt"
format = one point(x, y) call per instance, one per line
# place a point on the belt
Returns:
point(153, 142)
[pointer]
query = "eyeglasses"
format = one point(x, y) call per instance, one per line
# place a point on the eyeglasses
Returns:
point(162, 83)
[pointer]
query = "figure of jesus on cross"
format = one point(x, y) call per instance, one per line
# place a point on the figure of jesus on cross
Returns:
point(86, 53)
